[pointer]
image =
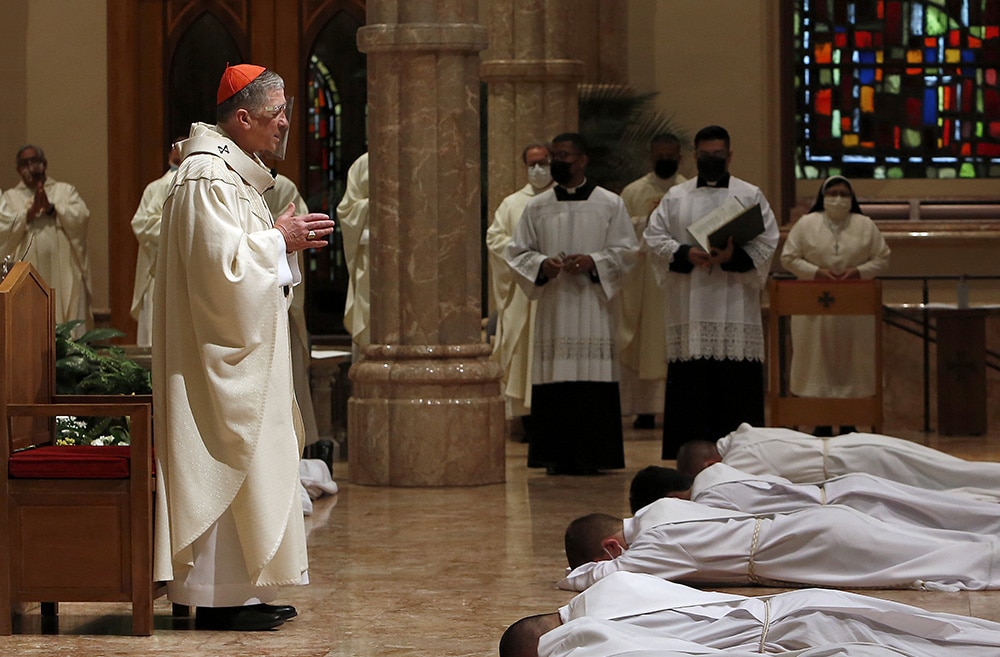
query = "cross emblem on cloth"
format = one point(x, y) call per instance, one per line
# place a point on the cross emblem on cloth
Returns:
point(827, 299)
point(224, 148)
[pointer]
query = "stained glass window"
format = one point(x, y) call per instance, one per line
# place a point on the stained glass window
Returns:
point(897, 89)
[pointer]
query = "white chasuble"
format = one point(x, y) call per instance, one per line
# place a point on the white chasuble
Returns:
point(228, 430)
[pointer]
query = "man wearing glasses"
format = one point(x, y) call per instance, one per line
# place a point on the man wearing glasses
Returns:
point(44, 222)
point(229, 528)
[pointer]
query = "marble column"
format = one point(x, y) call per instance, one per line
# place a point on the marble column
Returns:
point(532, 82)
point(426, 407)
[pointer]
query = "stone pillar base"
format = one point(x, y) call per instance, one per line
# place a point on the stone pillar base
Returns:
point(427, 415)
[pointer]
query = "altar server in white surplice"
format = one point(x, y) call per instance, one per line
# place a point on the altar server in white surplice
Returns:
point(44, 222)
point(352, 211)
point(832, 356)
point(146, 226)
point(802, 458)
point(229, 514)
point(515, 311)
point(834, 546)
point(571, 250)
point(641, 616)
point(643, 334)
point(714, 336)
point(724, 487)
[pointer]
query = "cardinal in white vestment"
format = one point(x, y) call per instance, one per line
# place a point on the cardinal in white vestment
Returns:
point(229, 527)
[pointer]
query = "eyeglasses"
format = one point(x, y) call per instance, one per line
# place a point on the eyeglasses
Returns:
point(274, 110)
point(837, 193)
point(28, 161)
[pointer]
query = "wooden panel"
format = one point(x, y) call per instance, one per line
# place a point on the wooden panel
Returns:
point(821, 298)
point(961, 372)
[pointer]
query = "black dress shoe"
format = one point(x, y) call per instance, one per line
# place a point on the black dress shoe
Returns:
point(236, 619)
point(284, 612)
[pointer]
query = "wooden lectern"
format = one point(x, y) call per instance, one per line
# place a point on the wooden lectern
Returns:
point(793, 297)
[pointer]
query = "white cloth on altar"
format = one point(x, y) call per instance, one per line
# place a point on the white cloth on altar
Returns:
point(832, 355)
point(56, 245)
point(723, 487)
point(229, 434)
point(711, 313)
point(512, 348)
point(803, 458)
point(821, 546)
point(575, 323)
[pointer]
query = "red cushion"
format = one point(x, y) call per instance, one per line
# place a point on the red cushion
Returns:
point(71, 462)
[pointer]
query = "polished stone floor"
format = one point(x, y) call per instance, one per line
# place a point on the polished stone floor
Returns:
point(436, 572)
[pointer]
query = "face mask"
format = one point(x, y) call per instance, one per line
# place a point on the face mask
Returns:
point(837, 207)
point(539, 175)
point(665, 168)
point(711, 168)
point(561, 172)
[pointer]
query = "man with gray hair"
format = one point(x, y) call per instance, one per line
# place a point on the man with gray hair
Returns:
point(229, 528)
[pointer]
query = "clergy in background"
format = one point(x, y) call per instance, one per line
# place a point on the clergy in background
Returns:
point(44, 222)
point(643, 346)
point(571, 251)
point(515, 311)
point(714, 335)
point(352, 211)
point(229, 527)
point(146, 227)
point(832, 356)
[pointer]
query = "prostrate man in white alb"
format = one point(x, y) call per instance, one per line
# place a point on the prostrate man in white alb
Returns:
point(229, 527)
point(802, 458)
point(641, 616)
point(643, 350)
point(834, 546)
point(714, 336)
point(571, 250)
point(723, 487)
point(515, 311)
point(146, 227)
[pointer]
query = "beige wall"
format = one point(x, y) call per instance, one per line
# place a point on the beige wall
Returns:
point(714, 62)
point(54, 74)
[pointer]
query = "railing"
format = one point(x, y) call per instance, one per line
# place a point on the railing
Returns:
point(924, 329)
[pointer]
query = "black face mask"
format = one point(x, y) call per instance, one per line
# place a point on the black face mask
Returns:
point(561, 171)
point(665, 168)
point(711, 168)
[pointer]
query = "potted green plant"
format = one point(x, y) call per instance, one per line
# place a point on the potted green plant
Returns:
point(86, 367)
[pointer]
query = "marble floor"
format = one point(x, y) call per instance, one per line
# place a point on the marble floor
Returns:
point(435, 572)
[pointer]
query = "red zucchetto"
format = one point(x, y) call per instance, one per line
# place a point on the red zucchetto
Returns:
point(235, 79)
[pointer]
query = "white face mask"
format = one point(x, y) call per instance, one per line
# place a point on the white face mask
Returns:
point(539, 176)
point(837, 207)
